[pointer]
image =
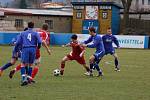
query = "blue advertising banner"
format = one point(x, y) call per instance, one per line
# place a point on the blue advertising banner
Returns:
point(90, 23)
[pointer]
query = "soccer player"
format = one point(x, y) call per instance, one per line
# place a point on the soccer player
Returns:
point(15, 55)
point(100, 51)
point(43, 34)
point(29, 40)
point(77, 54)
point(108, 40)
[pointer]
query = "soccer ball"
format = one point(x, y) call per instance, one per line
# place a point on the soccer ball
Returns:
point(56, 72)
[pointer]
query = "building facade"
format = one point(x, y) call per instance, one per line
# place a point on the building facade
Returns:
point(17, 19)
point(100, 15)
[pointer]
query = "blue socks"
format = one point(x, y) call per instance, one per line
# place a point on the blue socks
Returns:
point(29, 71)
point(23, 74)
point(6, 66)
point(98, 68)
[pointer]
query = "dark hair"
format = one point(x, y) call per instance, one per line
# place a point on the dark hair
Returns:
point(30, 24)
point(25, 29)
point(45, 26)
point(109, 28)
point(74, 37)
point(92, 29)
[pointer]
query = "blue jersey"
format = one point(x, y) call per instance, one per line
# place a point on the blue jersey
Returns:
point(108, 41)
point(29, 38)
point(14, 40)
point(19, 49)
point(97, 43)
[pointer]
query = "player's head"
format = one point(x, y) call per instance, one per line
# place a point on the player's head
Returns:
point(30, 25)
point(109, 31)
point(74, 38)
point(45, 26)
point(92, 31)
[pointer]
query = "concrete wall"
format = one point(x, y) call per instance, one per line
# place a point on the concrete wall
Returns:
point(60, 23)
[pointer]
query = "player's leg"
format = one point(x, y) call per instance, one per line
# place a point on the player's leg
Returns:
point(36, 68)
point(86, 67)
point(62, 66)
point(7, 65)
point(88, 73)
point(37, 63)
point(31, 61)
point(23, 74)
point(12, 72)
point(25, 63)
point(81, 61)
point(96, 65)
point(91, 61)
point(98, 56)
point(17, 68)
point(116, 62)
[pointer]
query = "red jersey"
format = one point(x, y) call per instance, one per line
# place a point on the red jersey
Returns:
point(76, 48)
point(76, 51)
point(43, 34)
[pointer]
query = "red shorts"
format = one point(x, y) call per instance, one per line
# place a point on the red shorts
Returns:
point(79, 59)
point(37, 54)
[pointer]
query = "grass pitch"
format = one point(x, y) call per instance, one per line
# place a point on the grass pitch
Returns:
point(131, 83)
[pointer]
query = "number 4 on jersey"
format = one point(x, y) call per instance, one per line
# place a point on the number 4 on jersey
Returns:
point(29, 37)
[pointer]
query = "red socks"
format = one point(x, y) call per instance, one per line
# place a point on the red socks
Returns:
point(18, 67)
point(34, 71)
point(62, 66)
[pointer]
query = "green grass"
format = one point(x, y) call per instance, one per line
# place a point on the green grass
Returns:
point(132, 83)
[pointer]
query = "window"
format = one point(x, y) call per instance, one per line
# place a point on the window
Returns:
point(148, 2)
point(79, 15)
point(104, 15)
point(50, 23)
point(137, 2)
point(142, 2)
point(18, 22)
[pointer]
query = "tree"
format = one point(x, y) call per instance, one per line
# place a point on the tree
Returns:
point(36, 3)
point(126, 4)
point(23, 4)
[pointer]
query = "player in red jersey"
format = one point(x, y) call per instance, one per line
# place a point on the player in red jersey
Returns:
point(77, 54)
point(44, 36)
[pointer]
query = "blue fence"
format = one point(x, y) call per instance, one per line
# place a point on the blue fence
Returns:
point(55, 39)
point(60, 39)
point(6, 38)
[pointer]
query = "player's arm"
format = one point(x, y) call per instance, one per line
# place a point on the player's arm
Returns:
point(94, 44)
point(18, 43)
point(88, 40)
point(46, 47)
point(83, 51)
point(39, 41)
point(116, 41)
point(66, 45)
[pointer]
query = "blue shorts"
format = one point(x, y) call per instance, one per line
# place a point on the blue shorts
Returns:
point(110, 52)
point(16, 56)
point(28, 55)
point(99, 55)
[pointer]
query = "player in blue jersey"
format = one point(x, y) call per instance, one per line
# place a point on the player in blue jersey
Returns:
point(29, 40)
point(15, 55)
point(100, 51)
point(108, 41)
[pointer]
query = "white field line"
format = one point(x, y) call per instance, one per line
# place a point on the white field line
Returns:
point(122, 65)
